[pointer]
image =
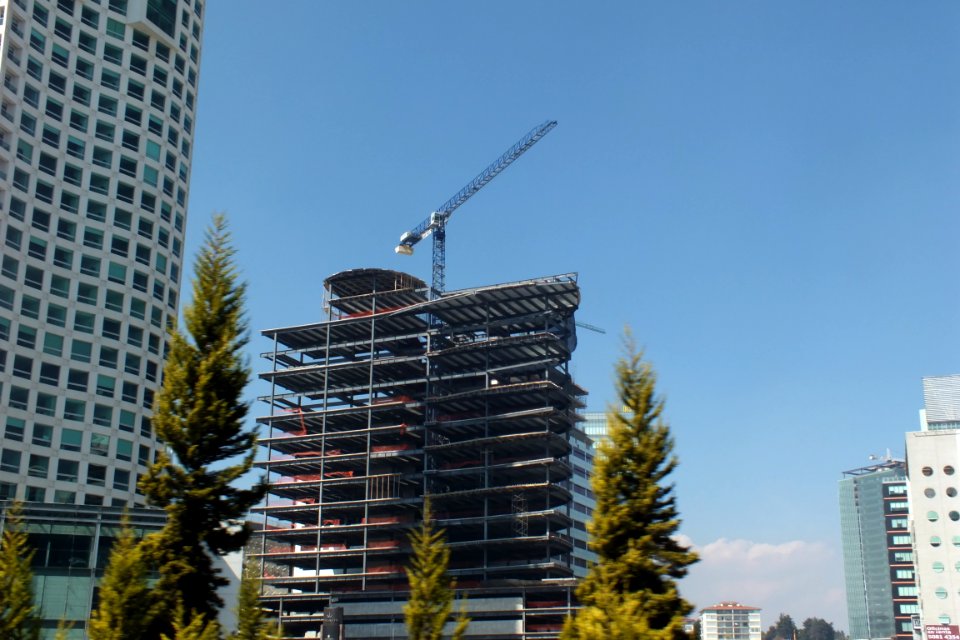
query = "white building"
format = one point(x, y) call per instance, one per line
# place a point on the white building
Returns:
point(730, 621)
point(97, 111)
point(933, 458)
point(96, 129)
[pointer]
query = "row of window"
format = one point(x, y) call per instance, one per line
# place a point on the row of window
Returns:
point(42, 435)
point(8, 491)
point(66, 470)
point(936, 541)
point(85, 292)
point(75, 409)
point(75, 380)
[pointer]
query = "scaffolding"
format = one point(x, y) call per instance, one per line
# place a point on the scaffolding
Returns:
point(467, 399)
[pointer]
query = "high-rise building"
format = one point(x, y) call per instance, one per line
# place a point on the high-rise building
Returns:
point(877, 551)
point(730, 621)
point(933, 457)
point(466, 398)
point(97, 111)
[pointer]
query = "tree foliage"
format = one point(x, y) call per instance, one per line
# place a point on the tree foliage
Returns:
point(195, 626)
point(816, 629)
point(199, 417)
point(251, 624)
point(431, 590)
point(631, 593)
point(19, 616)
point(784, 629)
point(123, 612)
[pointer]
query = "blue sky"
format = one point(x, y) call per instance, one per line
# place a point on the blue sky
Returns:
point(766, 192)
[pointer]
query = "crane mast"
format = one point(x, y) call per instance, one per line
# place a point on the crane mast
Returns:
point(436, 222)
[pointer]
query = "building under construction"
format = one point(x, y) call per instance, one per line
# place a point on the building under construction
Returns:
point(465, 398)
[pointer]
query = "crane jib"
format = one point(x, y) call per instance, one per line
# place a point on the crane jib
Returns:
point(445, 210)
point(436, 222)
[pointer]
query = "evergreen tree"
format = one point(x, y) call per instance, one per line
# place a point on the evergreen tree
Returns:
point(193, 627)
point(431, 591)
point(631, 593)
point(19, 616)
point(251, 624)
point(785, 629)
point(123, 611)
point(199, 417)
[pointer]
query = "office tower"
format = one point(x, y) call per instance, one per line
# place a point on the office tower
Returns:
point(933, 457)
point(466, 398)
point(97, 113)
point(877, 551)
point(730, 621)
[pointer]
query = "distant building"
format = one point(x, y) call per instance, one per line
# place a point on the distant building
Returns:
point(877, 551)
point(730, 621)
point(933, 457)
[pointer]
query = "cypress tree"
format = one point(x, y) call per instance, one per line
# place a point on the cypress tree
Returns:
point(431, 590)
point(631, 593)
point(19, 616)
point(195, 626)
point(251, 624)
point(199, 417)
point(123, 610)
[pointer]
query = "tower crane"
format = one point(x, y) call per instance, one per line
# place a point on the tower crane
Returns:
point(436, 223)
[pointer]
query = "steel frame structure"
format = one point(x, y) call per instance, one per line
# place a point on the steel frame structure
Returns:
point(466, 398)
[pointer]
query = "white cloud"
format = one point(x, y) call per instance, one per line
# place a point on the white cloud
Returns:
point(799, 577)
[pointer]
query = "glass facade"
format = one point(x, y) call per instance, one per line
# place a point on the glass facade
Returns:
point(866, 553)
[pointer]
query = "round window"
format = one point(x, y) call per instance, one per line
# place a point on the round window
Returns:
point(954, 515)
point(940, 593)
point(948, 470)
point(938, 567)
point(957, 566)
point(956, 541)
point(927, 471)
point(935, 541)
point(952, 492)
point(944, 619)
point(929, 492)
point(932, 516)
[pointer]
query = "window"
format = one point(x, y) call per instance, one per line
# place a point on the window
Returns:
point(114, 301)
point(128, 166)
point(135, 89)
point(90, 266)
point(81, 94)
point(124, 450)
point(19, 398)
point(119, 246)
point(77, 380)
point(71, 439)
point(39, 466)
point(111, 329)
point(10, 461)
point(126, 420)
point(74, 410)
point(105, 131)
point(51, 136)
point(901, 539)
point(138, 64)
point(15, 429)
point(79, 121)
point(133, 115)
point(80, 350)
point(108, 357)
point(99, 184)
point(121, 479)
point(96, 211)
point(102, 157)
point(114, 54)
point(49, 373)
point(76, 147)
point(106, 385)
point(96, 475)
point(87, 42)
point(56, 315)
point(42, 435)
point(130, 392)
point(87, 293)
point(83, 322)
point(53, 344)
point(68, 470)
point(107, 105)
point(99, 444)
point(115, 29)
